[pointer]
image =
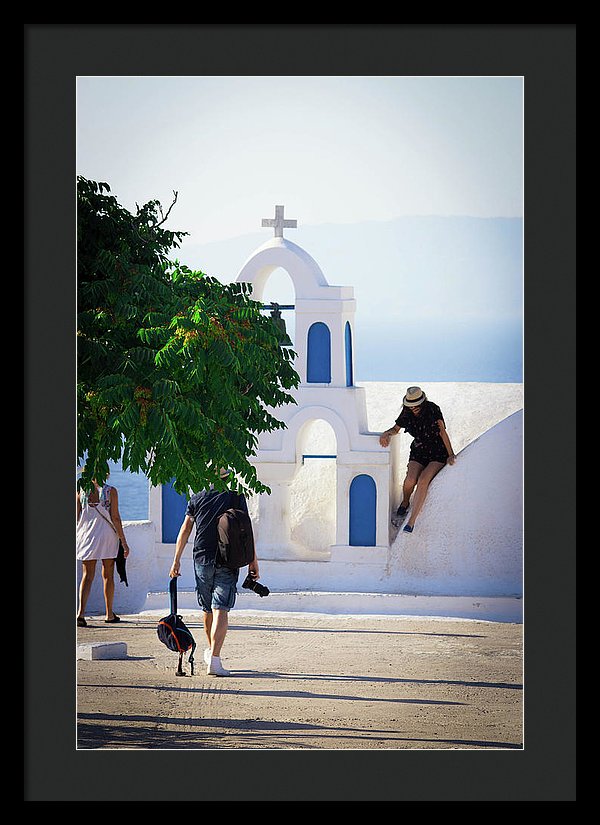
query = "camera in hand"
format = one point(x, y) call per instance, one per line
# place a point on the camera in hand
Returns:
point(251, 584)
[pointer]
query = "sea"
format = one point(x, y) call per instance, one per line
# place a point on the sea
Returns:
point(133, 490)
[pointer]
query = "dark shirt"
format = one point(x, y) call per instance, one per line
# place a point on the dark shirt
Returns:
point(423, 427)
point(205, 508)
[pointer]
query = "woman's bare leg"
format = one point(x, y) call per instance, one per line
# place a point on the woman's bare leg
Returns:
point(108, 581)
point(412, 476)
point(425, 479)
point(89, 571)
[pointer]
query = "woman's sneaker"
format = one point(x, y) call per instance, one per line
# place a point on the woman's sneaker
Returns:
point(215, 668)
point(400, 515)
point(207, 655)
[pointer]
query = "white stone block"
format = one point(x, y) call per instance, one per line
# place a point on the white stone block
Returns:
point(102, 650)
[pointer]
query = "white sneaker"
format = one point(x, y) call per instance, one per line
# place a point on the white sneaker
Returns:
point(207, 656)
point(215, 668)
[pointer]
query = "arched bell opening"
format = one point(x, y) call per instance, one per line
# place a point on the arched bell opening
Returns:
point(279, 300)
point(313, 491)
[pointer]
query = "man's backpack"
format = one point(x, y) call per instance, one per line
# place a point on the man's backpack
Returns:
point(174, 634)
point(235, 539)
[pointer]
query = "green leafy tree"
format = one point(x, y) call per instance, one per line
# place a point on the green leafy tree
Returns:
point(177, 373)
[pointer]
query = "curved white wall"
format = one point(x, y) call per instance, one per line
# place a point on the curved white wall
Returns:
point(468, 538)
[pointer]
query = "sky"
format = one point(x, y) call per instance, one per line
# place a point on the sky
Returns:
point(342, 152)
point(332, 149)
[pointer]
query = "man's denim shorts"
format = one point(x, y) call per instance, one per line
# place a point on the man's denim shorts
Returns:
point(216, 587)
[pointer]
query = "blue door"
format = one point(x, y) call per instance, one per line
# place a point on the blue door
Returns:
point(318, 359)
point(173, 512)
point(348, 336)
point(363, 509)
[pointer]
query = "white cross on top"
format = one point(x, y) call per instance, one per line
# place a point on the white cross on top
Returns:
point(278, 222)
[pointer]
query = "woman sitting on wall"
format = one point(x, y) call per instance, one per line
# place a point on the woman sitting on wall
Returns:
point(429, 451)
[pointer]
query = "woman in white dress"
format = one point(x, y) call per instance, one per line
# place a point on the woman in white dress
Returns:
point(99, 530)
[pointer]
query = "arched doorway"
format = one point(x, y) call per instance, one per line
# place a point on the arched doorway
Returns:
point(318, 359)
point(363, 511)
point(348, 350)
point(173, 512)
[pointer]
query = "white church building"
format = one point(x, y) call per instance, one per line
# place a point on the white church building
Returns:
point(324, 536)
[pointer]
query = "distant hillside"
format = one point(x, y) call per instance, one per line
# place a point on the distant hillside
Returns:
point(437, 297)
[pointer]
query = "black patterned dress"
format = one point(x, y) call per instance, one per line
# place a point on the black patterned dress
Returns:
point(427, 444)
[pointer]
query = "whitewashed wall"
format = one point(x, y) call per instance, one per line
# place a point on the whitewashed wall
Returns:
point(469, 536)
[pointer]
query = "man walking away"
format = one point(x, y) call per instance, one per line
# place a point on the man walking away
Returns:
point(216, 586)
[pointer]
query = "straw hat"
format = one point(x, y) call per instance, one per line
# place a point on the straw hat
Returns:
point(414, 396)
point(224, 472)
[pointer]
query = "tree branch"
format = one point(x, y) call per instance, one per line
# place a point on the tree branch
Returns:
point(169, 210)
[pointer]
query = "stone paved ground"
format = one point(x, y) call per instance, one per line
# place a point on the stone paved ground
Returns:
point(308, 681)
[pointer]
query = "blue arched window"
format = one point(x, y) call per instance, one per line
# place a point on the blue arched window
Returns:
point(363, 510)
point(318, 359)
point(348, 336)
point(173, 511)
